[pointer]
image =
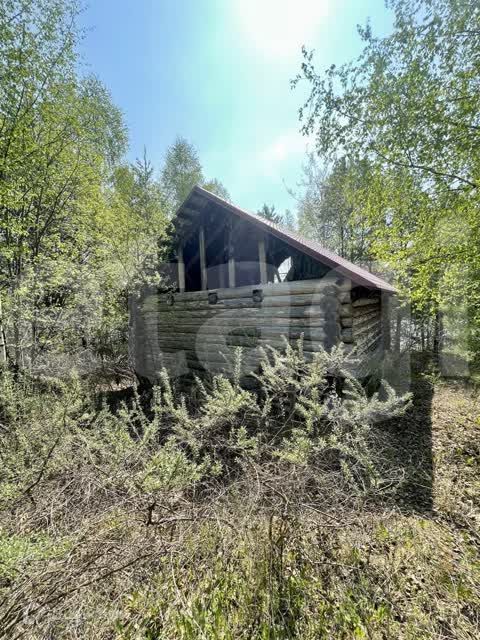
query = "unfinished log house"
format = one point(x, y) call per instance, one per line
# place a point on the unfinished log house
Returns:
point(238, 280)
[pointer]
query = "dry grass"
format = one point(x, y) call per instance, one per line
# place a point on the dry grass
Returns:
point(85, 553)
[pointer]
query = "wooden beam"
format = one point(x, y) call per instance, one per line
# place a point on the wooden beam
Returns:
point(231, 255)
point(203, 257)
point(231, 258)
point(223, 275)
point(231, 272)
point(181, 269)
point(262, 259)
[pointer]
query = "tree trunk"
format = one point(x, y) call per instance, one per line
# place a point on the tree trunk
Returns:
point(437, 334)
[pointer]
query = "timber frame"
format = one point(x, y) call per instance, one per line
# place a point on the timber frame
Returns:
point(237, 280)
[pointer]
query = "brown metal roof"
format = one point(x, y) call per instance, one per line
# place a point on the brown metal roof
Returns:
point(310, 247)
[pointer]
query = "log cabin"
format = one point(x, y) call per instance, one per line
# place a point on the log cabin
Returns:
point(234, 279)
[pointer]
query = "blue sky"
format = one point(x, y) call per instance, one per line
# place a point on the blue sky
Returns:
point(218, 73)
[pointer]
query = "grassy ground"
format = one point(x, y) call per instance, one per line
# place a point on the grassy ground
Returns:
point(83, 554)
point(408, 571)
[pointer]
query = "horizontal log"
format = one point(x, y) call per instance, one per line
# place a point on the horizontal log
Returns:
point(171, 363)
point(370, 345)
point(241, 320)
point(177, 332)
point(180, 342)
point(346, 335)
point(209, 350)
point(253, 312)
point(212, 342)
point(345, 310)
point(359, 320)
point(365, 302)
point(228, 339)
point(205, 349)
point(228, 362)
point(264, 332)
point(344, 297)
point(366, 330)
point(366, 317)
point(362, 339)
point(225, 332)
point(219, 357)
point(204, 305)
point(271, 289)
point(231, 324)
point(346, 322)
point(328, 302)
point(208, 330)
point(365, 313)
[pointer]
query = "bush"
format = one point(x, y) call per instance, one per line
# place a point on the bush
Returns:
point(96, 502)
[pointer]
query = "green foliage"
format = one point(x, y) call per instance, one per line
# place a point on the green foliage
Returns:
point(245, 515)
point(331, 207)
point(216, 187)
point(269, 213)
point(16, 552)
point(279, 581)
point(287, 220)
point(60, 135)
point(79, 227)
point(322, 421)
point(407, 108)
point(135, 223)
point(173, 445)
point(182, 170)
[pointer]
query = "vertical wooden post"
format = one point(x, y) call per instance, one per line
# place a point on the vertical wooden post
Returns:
point(203, 258)
point(231, 272)
point(386, 331)
point(222, 275)
point(231, 260)
point(262, 260)
point(181, 269)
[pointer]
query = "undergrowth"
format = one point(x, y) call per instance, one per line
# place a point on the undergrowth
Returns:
point(267, 515)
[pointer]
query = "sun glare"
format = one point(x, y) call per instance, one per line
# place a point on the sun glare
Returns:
point(278, 28)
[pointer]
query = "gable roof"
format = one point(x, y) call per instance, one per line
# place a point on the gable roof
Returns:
point(309, 247)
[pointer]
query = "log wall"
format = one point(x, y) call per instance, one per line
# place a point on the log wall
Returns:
point(366, 324)
point(192, 332)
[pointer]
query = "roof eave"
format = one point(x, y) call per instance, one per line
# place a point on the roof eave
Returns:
point(373, 282)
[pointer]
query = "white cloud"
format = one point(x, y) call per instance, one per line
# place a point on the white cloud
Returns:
point(278, 28)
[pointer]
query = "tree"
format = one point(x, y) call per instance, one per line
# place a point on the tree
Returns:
point(60, 137)
point(409, 106)
point(216, 187)
point(289, 220)
point(137, 222)
point(79, 229)
point(330, 207)
point(181, 172)
point(270, 214)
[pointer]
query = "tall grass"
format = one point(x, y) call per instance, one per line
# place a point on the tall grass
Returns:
point(244, 515)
